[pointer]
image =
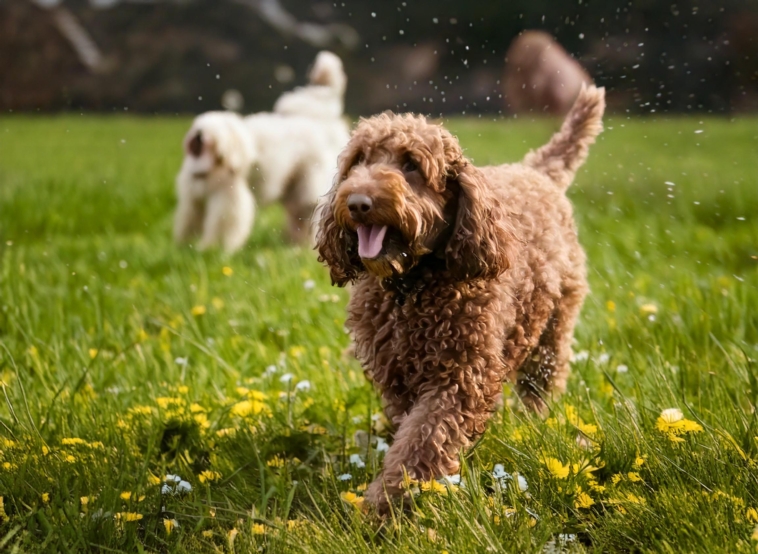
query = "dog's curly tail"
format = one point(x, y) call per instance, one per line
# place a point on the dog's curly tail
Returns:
point(567, 149)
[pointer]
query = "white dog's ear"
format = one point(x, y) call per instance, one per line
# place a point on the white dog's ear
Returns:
point(236, 145)
point(193, 143)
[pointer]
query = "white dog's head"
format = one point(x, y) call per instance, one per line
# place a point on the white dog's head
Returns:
point(218, 141)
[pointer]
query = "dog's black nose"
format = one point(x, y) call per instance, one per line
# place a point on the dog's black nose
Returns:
point(359, 204)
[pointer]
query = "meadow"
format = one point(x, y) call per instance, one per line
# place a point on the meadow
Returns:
point(159, 399)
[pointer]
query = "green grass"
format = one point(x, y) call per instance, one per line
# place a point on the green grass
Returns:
point(99, 312)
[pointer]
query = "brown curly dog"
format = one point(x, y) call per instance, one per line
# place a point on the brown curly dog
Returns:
point(463, 277)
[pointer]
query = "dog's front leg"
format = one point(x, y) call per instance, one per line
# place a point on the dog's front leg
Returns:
point(428, 441)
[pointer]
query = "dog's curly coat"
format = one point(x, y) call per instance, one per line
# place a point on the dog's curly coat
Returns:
point(464, 277)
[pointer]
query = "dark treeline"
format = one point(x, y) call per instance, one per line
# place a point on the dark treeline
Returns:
point(433, 56)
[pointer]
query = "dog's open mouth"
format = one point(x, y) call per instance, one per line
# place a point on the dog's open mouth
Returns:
point(370, 240)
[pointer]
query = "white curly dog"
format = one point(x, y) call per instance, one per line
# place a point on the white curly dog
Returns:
point(289, 156)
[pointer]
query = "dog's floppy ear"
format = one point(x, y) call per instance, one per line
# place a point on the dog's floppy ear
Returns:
point(483, 242)
point(334, 246)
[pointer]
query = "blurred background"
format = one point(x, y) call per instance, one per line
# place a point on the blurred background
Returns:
point(431, 56)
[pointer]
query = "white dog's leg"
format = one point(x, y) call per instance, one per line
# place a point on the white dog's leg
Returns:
point(188, 220)
point(237, 232)
point(229, 218)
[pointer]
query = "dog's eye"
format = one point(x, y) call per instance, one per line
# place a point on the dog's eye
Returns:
point(409, 166)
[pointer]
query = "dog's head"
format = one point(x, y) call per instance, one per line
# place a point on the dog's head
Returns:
point(404, 192)
point(218, 140)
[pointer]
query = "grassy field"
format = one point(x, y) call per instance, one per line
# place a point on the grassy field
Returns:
point(158, 399)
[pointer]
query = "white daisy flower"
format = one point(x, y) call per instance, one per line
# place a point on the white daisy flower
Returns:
point(522, 484)
point(181, 361)
point(286, 378)
point(345, 477)
point(451, 479)
point(270, 370)
point(173, 484)
point(603, 358)
point(303, 386)
point(498, 472)
point(381, 445)
point(621, 368)
point(310, 284)
point(582, 356)
point(355, 460)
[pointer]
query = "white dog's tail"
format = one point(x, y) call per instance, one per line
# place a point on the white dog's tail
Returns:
point(567, 149)
point(327, 71)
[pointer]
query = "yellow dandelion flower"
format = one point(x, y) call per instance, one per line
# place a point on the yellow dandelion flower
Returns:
point(198, 310)
point(583, 501)
point(217, 303)
point(127, 516)
point(142, 336)
point(638, 461)
point(84, 500)
point(182, 389)
point(212, 512)
point(634, 477)
point(165, 402)
point(648, 309)
point(688, 426)
point(434, 487)
point(293, 524)
point(92, 353)
point(259, 529)
point(616, 478)
point(276, 461)
point(596, 488)
point(45, 450)
point(226, 432)
point(70, 459)
point(353, 499)
point(517, 436)
point(672, 423)
point(297, 351)
point(587, 428)
point(74, 441)
point(153, 480)
point(126, 495)
point(45, 497)
point(209, 476)
point(571, 415)
point(556, 468)
point(248, 407)
point(610, 306)
point(207, 533)
point(202, 420)
point(227, 271)
point(169, 525)
point(752, 515)
point(141, 410)
point(634, 499)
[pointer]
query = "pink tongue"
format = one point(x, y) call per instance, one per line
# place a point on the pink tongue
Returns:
point(370, 239)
